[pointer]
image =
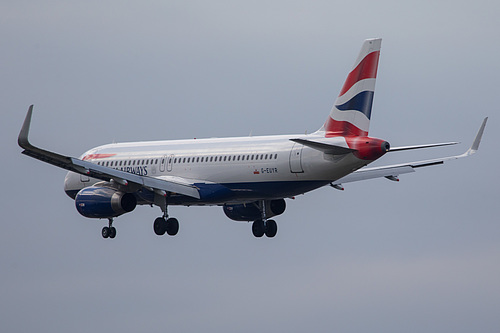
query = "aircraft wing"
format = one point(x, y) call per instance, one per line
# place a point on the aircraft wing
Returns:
point(392, 172)
point(180, 186)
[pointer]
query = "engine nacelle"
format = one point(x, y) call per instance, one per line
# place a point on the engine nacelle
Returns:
point(251, 211)
point(104, 202)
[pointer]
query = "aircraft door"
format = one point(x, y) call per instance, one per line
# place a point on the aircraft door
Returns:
point(296, 158)
point(170, 161)
point(163, 162)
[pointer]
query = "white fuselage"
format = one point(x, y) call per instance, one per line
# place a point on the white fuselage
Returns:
point(252, 168)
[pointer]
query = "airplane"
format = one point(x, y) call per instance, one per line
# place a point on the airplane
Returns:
point(250, 177)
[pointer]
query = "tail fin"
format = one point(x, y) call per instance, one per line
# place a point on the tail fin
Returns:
point(350, 116)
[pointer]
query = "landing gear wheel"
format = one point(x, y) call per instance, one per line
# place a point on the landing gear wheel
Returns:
point(172, 226)
point(159, 226)
point(112, 232)
point(271, 228)
point(258, 228)
point(109, 231)
point(106, 232)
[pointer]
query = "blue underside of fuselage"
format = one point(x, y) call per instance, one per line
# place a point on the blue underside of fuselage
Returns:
point(214, 194)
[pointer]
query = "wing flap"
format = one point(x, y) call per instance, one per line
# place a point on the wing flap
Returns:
point(371, 173)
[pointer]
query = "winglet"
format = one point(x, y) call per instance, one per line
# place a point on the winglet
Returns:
point(22, 140)
point(475, 145)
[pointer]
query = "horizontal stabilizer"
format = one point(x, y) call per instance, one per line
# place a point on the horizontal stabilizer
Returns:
point(423, 146)
point(325, 147)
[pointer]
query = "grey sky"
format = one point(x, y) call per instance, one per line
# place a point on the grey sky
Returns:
point(418, 255)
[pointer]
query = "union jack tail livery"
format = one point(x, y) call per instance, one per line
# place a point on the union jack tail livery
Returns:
point(350, 116)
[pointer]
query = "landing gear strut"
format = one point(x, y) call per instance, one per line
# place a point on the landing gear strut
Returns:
point(264, 226)
point(110, 231)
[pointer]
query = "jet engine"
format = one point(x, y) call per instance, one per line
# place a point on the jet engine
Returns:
point(252, 211)
point(104, 202)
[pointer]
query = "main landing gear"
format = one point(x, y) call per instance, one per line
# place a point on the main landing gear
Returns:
point(168, 225)
point(165, 224)
point(110, 231)
point(263, 226)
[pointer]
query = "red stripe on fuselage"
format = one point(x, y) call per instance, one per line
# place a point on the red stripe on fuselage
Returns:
point(366, 69)
point(97, 156)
